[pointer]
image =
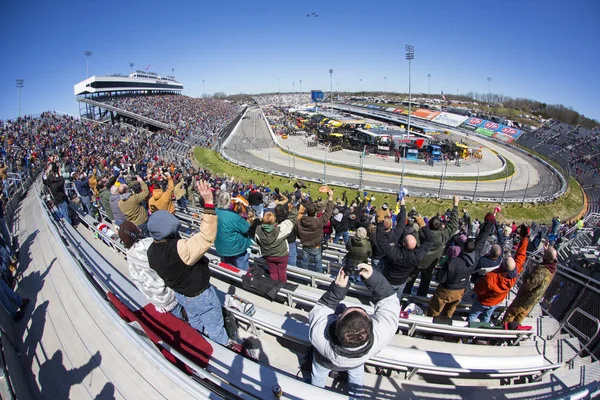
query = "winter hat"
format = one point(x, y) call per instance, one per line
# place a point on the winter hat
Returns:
point(384, 206)
point(162, 224)
point(361, 233)
point(129, 233)
point(453, 251)
point(462, 239)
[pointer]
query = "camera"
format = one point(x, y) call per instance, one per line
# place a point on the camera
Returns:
point(351, 269)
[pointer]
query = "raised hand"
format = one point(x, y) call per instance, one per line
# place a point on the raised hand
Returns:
point(204, 190)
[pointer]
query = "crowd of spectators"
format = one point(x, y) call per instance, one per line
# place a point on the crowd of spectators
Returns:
point(187, 115)
point(119, 169)
point(283, 99)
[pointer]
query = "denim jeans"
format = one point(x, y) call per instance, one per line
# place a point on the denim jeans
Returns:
point(378, 265)
point(205, 314)
point(182, 202)
point(63, 208)
point(479, 309)
point(309, 254)
point(240, 261)
point(293, 254)
point(399, 289)
point(258, 210)
point(356, 376)
point(9, 298)
point(337, 236)
point(87, 202)
point(177, 311)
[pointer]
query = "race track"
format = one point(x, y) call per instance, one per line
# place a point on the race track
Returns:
point(251, 143)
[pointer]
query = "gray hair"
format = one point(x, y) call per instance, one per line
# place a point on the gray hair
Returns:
point(222, 199)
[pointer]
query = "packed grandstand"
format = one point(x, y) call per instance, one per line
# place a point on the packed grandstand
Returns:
point(474, 304)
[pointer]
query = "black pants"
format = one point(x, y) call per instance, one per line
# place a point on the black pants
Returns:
point(426, 275)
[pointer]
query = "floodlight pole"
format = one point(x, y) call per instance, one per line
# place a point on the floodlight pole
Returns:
point(384, 84)
point(294, 87)
point(410, 55)
point(87, 53)
point(429, 77)
point(203, 87)
point(19, 86)
point(300, 85)
point(131, 66)
point(361, 88)
point(489, 93)
point(173, 72)
point(330, 87)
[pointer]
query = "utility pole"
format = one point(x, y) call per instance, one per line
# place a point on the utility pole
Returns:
point(19, 87)
point(410, 55)
point(87, 53)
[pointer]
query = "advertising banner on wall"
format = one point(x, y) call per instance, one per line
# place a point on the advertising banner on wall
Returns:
point(503, 137)
point(485, 132)
point(489, 125)
point(397, 111)
point(450, 119)
point(473, 123)
point(425, 114)
point(512, 132)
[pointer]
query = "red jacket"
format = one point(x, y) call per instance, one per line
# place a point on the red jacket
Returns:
point(492, 288)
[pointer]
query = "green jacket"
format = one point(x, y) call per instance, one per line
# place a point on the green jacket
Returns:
point(440, 238)
point(359, 251)
point(272, 238)
point(105, 201)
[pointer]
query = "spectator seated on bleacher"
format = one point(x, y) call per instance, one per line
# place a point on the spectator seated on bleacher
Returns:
point(344, 341)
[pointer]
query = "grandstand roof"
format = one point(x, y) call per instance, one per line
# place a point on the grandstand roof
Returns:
point(107, 84)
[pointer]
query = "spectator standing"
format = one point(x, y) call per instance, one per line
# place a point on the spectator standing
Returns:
point(310, 232)
point(85, 192)
point(453, 277)
point(145, 278)
point(162, 199)
point(272, 240)
point(401, 260)
point(255, 199)
point(359, 249)
point(183, 267)
point(533, 288)
point(56, 184)
point(130, 205)
point(344, 341)
point(339, 222)
point(118, 215)
point(441, 234)
point(232, 242)
point(492, 289)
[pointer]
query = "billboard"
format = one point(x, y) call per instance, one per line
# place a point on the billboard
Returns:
point(449, 119)
point(490, 126)
point(473, 123)
point(425, 114)
point(503, 137)
point(316, 95)
point(485, 132)
point(512, 132)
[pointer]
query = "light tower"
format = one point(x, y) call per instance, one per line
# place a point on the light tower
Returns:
point(384, 84)
point(330, 85)
point(203, 87)
point(489, 93)
point(410, 55)
point(300, 85)
point(19, 86)
point(429, 77)
point(173, 72)
point(131, 67)
point(361, 88)
point(87, 53)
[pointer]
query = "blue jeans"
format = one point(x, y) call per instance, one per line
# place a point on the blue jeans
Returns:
point(182, 202)
point(63, 208)
point(337, 236)
point(258, 210)
point(87, 202)
point(485, 311)
point(309, 254)
point(9, 298)
point(177, 311)
point(378, 265)
point(399, 289)
point(319, 374)
point(240, 261)
point(293, 254)
point(205, 315)
point(5, 232)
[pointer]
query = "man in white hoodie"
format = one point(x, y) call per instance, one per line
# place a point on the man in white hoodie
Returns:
point(145, 278)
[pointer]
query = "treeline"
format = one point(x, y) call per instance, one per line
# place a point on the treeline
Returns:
point(529, 106)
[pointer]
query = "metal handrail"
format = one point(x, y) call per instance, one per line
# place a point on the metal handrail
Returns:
point(566, 324)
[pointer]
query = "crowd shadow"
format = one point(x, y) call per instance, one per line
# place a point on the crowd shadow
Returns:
point(25, 252)
point(55, 380)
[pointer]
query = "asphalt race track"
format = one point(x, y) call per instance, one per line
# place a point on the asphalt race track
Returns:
point(251, 143)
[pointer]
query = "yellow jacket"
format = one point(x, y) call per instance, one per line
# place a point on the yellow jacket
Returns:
point(162, 200)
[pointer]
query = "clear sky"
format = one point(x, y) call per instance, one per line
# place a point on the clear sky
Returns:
point(546, 50)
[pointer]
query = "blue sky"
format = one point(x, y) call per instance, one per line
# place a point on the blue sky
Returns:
point(545, 50)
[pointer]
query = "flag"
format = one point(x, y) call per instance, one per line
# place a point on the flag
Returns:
point(148, 67)
point(444, 96)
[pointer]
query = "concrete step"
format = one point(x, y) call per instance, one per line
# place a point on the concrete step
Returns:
point(546, 326)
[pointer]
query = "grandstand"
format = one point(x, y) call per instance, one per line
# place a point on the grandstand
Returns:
point(80, 272)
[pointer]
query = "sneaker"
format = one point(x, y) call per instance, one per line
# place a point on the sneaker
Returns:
point(251, 349)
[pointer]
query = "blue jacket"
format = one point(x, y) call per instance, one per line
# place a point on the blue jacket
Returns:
point(232, 239)
point(83, 187)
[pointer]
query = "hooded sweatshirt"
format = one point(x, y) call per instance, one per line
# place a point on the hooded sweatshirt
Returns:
point(493, 288)
point(271, 239)
point(310, 229)
point(162, 200)
point(131, 207)
point(322, 320)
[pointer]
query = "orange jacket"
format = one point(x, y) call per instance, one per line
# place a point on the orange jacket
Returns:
point(493, 287)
